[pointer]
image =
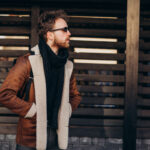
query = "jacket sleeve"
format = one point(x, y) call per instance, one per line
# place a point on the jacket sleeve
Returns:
point(10, 87)
point(75, 97)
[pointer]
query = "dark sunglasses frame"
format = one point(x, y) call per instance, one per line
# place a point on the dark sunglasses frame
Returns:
point(65, 29)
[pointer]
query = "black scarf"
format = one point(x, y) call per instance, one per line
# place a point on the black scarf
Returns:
point(54, 74)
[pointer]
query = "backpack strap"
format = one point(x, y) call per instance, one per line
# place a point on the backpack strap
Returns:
point(28, 84)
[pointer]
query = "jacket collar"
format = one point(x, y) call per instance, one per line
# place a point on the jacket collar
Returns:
point(36, 50)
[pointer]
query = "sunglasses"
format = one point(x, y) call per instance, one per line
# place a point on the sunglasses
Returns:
point(65, 29)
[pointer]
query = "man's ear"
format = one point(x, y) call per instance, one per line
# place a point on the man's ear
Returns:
point(50, 36)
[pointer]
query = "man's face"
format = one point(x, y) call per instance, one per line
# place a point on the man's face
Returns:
point(61, 37)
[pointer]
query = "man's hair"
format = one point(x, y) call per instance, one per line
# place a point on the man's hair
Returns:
point(47, 20)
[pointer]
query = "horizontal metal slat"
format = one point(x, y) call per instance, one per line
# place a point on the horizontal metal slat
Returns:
point(89, 44)
point(8, 119)
point(4, 110)
point(144, 79)
point(144, 68)
point(143, 123)
point(3, 75)
point(95, 122)
point(143, 102)
point(8, 128)
point(14, 30)
point(144, 45)
point(13, 53)
point(6, 64)
point(15, 19)
point(95, 12)
point(143, 133)
point(102, 89)
point(98, 21)
point(143, 90)
point(143, 113)
point(97, 56)
point(102, 100)
point(101, 132)
point(102, 78)
point(116, 67)
point(144, 57)
point(105, 33)
point(15, 10)
point(14, 42)
point(99, 112)
point(145, 34)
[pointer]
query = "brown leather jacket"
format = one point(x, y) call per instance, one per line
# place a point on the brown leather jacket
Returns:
point(16, 81)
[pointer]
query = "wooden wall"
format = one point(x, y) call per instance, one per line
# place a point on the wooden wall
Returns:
point(143, 95)
point(115, 93)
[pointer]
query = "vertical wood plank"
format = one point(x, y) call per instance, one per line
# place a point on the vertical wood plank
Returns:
point(34, 25)
point(132, 50)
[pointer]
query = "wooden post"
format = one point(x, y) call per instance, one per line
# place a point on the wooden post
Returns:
point(34, 25)
point(131, 89)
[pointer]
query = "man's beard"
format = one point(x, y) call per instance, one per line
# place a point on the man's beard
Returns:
point(61, 45)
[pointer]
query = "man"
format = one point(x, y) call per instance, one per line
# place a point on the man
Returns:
point(44, 118)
